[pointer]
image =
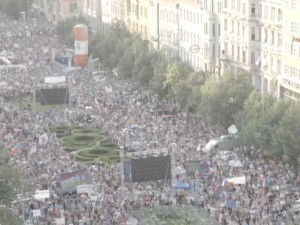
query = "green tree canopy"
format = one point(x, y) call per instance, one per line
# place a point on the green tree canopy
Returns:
point(13, 7)
point(286, 139)
point(64, 28)
point(7, 217)
point(260, 119)
point(9, 180)
point(222, 100)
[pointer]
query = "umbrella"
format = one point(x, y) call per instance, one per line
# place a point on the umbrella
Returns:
point(181, 185)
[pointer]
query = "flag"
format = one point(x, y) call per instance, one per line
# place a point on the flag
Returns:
point(194, 186)
point(16, 149)
point(96, 103)
point(2, 134)
point(231, 204)
point(73, 82)
point(197, 174)
point(211, 171)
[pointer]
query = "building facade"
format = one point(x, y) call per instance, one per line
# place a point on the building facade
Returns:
point(137, 17)
point(289, 80)
point(56, 10)
point(91, 10)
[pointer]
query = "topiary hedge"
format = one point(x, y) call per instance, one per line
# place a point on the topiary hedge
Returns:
point(90, 145)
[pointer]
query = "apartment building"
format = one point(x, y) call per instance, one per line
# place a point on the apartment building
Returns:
point(240, 37)
point(55, 10)
point(136, 17)
point(91, 10)
point(289, 78)
point(271, 42)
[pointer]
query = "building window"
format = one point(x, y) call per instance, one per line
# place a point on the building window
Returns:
point(238, 53)
point(266, 12)
point(225, 25)
point(219, 7)
point(225, 3)
point(233, 4)
point(213, 30)
point(244, 8)
point(238, 28)
point(271, 63)
point(287, 70)
point(279, 14)
point(273, 37)
point(272, 14)
point(252, 58)
point(214, 51)
point(278, 66)
point(225, 48)
point(73, 7)
point(252, 9)
point(259, 14)
point(205, 28)
point(244, 56)
point(232, 26)
point(294, 27)
point(243, 30)
point(266, 35)
point(238, 5)
point(232, 51)
point(219, 30)
point(253, 33)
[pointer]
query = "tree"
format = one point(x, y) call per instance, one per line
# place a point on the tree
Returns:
point(260, 119)
point(13, 7)
point(111, 46)
point(64, 28)
point(286, 138)
point(222, 100)
point(125, 65)
point(175, 72)
point(196, 80)
point(160, 65)
point(9, 180)
point(7, 217)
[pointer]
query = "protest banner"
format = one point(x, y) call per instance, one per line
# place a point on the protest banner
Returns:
point(85, 189)
point(194, 186)
point(41, 194)
point(36, 213)
point(69, 181)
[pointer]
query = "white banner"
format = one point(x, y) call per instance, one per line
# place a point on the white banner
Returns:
point(108, 89)
point(42, 194)
point(85, 189)
point(55, 80)
point(36, 213)
point(81, 47)
point(60, 221)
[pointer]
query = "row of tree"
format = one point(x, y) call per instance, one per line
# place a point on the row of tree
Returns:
point(264, 121)
point(10, 183)
point(13, 8)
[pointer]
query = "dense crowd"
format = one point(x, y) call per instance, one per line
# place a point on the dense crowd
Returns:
point(110, 103)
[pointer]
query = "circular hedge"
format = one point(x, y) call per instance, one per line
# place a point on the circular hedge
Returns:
point(89, 145)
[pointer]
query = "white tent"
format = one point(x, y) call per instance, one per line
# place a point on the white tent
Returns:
point(234, 180)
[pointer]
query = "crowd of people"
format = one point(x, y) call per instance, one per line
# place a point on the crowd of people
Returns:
point(269, 195)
